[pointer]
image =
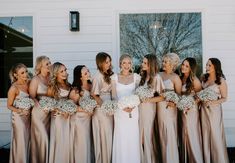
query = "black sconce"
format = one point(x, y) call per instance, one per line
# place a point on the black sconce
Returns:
point(74, 21)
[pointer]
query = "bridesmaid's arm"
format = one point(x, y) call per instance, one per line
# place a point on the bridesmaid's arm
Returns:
point(177, 84)
point(74, 95)
point(33, 86)
point(12, 93)
point(95, 90)
point(197, 85)
point(224, 93)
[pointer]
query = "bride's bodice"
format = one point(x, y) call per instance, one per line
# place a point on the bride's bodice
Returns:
point(124, 89)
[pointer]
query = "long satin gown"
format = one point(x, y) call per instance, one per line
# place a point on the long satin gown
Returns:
point(147, 115)
point(191, 135)
point(167, 126)
point(126, 145)
point(20, 136)
point(40, 130)
point(213, 136)
point(60, 136)
point(81, 138)
point(102, 124)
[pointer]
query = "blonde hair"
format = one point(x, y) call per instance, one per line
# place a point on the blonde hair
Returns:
point(124, 56)
point(173, 58)
point(38, 64)
point(13, 71)
point(53, 83)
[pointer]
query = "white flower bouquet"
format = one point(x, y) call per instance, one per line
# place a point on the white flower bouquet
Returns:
point(24, 103)
point(144, 92)
point(128, 101)
point(207, 94)
point(67, 106)
point(186, 102)
point(171, 96)
point(47, 103)
point(87, 104)
point(109, 107)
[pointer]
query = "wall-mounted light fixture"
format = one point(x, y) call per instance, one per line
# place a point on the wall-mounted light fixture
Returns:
point(74, 21)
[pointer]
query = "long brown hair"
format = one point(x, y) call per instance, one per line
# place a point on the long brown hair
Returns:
point(189, 81)
point(153, 65)
point(100, 60)
point(218, 71)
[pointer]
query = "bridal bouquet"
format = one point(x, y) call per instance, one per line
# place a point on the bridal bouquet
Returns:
point(186, 102)
point(24, 103)
point(128, 101)
point(109, 107)
point(47, 103)
point(171, 96)
point(144, 92)
point(87, 104)
point(207, 94)
point(67, 106)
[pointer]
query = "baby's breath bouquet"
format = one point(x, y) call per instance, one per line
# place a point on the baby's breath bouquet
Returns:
point(144, 92)
point(47, 103)
point(24, 103)
point(186, 102)
point(128, 101)
point(171, 96)
point(109, 107)
point(87, 104)
point(207, 94)
point(67, 106)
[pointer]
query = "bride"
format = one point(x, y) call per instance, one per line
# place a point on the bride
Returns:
point(126, 146)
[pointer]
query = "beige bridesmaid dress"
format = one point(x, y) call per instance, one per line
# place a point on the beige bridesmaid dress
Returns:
point(147, 115)
point(213, 136)
point(167, 126)
point(60, 147)
point(102, 124)
point(191, 135)
point(20, 136)
point(80, 136)
point(40, 130)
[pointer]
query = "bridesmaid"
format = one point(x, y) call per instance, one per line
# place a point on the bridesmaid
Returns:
point(149, 77)
point(81, 121)
point(59, 88)
point(102, 124)
point(191, 129)
point(213, 136)
point(40, 120)
point(20, 138)
point(167, 112)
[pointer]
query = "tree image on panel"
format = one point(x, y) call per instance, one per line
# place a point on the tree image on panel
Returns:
point(141, 34)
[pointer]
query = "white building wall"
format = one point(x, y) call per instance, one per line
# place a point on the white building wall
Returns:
point(99, 32)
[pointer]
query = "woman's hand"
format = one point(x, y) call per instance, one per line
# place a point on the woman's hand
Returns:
point(171, 104)
point(128, 109)
point(24, 112)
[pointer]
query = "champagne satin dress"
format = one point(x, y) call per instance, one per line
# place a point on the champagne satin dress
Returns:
point(147, 115)
point(102, 124)
point(81, 136)
point(20, 136)
point(60, 136)
point(213, 136)
point(167, 126)
point(40, 130)
point(191, 134)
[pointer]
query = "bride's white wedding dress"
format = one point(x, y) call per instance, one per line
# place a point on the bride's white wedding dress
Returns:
point(126, 141)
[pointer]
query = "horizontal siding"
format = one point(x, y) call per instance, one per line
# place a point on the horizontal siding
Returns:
point(98, 32)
